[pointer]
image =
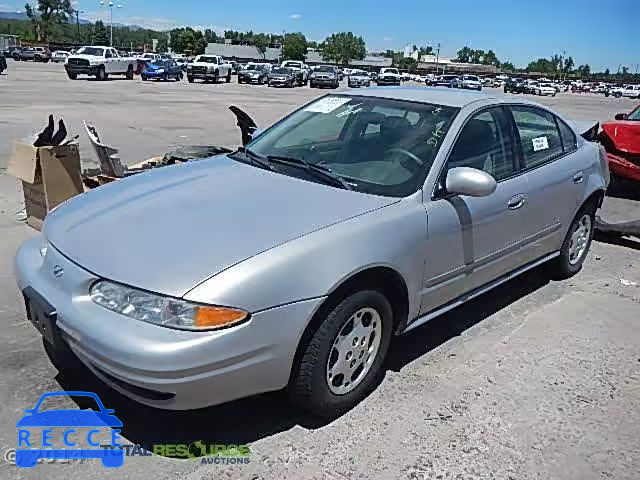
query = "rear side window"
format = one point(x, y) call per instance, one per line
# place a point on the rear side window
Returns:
point(568, 137)
point(539, 135)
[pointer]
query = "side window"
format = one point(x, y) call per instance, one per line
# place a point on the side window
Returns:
point(107, 54)
point(539, 135)
point(486, 145)
point(568, 137)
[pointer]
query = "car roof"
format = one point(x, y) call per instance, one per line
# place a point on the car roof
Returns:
point(437, 95)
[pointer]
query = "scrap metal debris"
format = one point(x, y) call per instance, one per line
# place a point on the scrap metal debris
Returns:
point(47, 137)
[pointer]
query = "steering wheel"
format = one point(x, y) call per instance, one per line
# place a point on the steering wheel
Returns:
point(407, 153)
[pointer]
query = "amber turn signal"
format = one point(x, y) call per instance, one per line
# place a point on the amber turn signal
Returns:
point(211, 317)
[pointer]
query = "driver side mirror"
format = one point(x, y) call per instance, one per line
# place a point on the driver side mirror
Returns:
point(470, 181)
point(621, 116)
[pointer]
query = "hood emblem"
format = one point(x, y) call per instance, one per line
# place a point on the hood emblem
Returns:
point(58, 271)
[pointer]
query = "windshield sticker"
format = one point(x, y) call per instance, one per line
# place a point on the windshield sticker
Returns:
point(349, 110)
point(540, 143)
point(327, 104)
point(435, 136)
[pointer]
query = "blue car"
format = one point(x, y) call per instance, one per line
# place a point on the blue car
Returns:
point(69, 418)
point(162, 70)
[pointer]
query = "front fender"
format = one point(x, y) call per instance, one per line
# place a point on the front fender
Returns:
point(314, 265)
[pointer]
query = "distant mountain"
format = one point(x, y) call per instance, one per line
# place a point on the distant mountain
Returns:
point(23, 16)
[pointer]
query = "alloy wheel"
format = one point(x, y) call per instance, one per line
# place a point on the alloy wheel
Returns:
point(354, 351)
point(580, 239)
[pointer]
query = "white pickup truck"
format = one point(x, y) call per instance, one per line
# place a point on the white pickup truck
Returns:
point(302, 71)
point(389, 76)
point(209, 68)
point(99, 62)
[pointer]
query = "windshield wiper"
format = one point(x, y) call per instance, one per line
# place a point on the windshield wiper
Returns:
point(255, 158)
point(318, 170)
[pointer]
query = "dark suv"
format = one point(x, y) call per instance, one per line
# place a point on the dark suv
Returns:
point(514, 85)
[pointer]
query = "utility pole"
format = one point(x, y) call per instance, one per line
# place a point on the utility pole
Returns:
point(110, 4)
point(78, 39)
point(437, 56)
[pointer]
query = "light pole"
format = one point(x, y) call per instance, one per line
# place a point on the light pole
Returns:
point(78, 12)
point(110, 5)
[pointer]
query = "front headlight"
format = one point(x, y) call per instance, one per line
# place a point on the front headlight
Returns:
point(161, 310)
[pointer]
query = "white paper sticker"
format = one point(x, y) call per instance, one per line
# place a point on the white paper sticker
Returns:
point(327, 104)
point(540, 143)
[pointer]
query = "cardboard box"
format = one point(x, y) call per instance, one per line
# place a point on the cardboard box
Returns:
point(50, 175)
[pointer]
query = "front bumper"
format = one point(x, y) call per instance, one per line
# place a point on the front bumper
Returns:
point(201, 75)
point(358, 83)
point(623, 167)
point(324, 81)
point(388, 81)
point(162, 367)
point(276, 81)
point(246, 79)
point(81, 69)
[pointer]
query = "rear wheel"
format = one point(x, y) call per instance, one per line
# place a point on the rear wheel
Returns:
point(129, 74)
point(216, 76)
point(342, 361)
point(189, 78)
point(228, 77)
point(575, 246)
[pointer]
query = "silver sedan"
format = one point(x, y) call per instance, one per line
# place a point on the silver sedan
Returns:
point(292, 262)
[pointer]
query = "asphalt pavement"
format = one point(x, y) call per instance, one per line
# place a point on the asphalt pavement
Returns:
point(537, 379)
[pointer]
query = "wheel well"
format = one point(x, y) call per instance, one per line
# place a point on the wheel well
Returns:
point(595, 200)
point(383, 279)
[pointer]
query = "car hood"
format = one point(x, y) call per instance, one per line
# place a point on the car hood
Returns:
point(625, 134)
point(169, 229)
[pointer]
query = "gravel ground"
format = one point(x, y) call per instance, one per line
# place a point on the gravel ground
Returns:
point(536, 379)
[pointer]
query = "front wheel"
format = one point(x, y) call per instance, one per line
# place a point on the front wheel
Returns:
point(342, 361)
point(101, 74)
point(189, 79)
point(575, 246)
point(71, 75)
point(228, 77)
point(129, 74)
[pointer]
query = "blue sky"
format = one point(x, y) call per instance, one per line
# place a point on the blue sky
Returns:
point(602, 33)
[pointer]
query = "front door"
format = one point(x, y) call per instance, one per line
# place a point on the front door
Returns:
point(471, 240)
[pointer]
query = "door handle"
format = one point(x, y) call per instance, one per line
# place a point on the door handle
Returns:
point(578, 177)
point(516, 202)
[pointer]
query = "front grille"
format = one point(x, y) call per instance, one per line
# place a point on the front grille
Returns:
point(199, 70)
point(79, 62)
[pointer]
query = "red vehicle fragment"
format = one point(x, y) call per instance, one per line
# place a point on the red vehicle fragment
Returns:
point(621, 140)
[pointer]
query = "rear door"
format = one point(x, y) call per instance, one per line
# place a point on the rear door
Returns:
point(555, 177)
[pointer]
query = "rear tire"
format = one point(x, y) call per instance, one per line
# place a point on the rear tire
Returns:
point(353, 338)
point(575, 246)
point(228, 77)
point(129, 74)
point(189, 78)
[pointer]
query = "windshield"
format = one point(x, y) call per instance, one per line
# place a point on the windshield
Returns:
point(376, 145)
point(325, 68)
point(255, 67)
point(390, 70)
point(281, 70)
point(159, 63)
point(292, 64)
point(635, 115)
point(207, 60)
point(473, 78)
point(98, 52)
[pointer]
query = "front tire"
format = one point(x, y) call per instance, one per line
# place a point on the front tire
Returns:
point(129, 75)
point(101, 74)
point(189, 79)
point(71, 75)
point(228, 77)
point(342, 360)
point(575, 246)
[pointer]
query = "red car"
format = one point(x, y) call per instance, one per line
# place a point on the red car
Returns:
point(621, 140)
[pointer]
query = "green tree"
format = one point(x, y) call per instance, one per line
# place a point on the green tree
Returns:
point(188, 39)
point(210, 36)
point(424, 51)
point(261, 42)
point(49, 14)
point(584, 70)
point(343, 47)
point(100, 36)
point(568, 65)
point(464, 55)
point(295, 46)
point(507, 67)
point(606, 73)
point(405, 63)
